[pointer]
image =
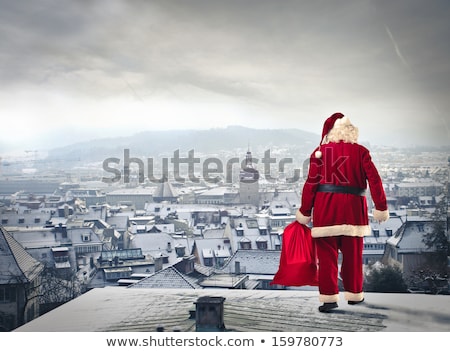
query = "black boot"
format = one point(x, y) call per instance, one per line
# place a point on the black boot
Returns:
point(355, 302)
point(327, 307)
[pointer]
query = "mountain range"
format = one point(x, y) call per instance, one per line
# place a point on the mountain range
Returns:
point(156, 143)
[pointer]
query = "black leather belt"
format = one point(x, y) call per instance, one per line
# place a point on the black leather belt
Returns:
point(342, 189)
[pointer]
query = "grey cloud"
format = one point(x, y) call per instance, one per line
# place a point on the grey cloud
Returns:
point(285, 54)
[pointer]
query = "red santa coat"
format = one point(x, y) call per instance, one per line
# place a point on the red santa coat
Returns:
point(335, 214)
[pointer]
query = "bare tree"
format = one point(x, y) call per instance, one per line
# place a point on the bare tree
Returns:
point(58, 288)
point(51, 289)
point(437, 241)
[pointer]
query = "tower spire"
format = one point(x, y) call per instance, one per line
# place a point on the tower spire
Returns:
point(248, 159)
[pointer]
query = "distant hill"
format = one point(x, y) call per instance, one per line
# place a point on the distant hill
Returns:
point(155, 143)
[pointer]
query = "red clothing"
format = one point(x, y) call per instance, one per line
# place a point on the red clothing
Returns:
point(298, 260)
point(351, 268)
point(334, 195)
point(335, 214)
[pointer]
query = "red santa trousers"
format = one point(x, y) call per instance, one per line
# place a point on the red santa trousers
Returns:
point(351, 268)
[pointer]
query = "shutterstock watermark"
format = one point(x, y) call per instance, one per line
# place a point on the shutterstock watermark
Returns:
point(214, 170)
point(209, 170)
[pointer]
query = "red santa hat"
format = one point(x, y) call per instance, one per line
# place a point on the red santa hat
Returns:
point(327, 126)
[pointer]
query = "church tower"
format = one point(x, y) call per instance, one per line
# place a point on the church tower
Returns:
point(248, 182)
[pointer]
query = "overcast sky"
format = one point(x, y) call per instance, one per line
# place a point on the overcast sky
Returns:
point(78, 70)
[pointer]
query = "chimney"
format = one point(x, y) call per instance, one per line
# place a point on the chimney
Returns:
point(186, 265)
point(180, 250)
point(158, 263)
point(237, 267)
point(209, 314)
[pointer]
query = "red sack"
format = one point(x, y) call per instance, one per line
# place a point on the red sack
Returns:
point(298, 260)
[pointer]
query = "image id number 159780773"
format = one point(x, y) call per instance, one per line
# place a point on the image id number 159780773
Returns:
point(307, 341)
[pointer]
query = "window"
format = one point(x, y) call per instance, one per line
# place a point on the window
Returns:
point(376, 232)
point(261, 245)
point(7, 294)
point(86, 237)
point(62, 258)
point(37, 220)
point(245, 245)
point(4, 221)
point(220, 261)
point(21, 221)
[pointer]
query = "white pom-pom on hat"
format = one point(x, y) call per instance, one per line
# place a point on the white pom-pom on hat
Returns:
point(318, 154)
point(341, 121)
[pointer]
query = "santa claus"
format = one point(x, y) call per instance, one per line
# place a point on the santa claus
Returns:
point(334, 199)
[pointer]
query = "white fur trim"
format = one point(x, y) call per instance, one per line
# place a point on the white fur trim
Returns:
point(380, 215)
point(350, 296)
point(329, 298)
point(339, 230)
point(302, 219)
point(342, 121)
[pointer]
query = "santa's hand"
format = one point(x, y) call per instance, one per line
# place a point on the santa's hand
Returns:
point(302, 219)
point(381, 215)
